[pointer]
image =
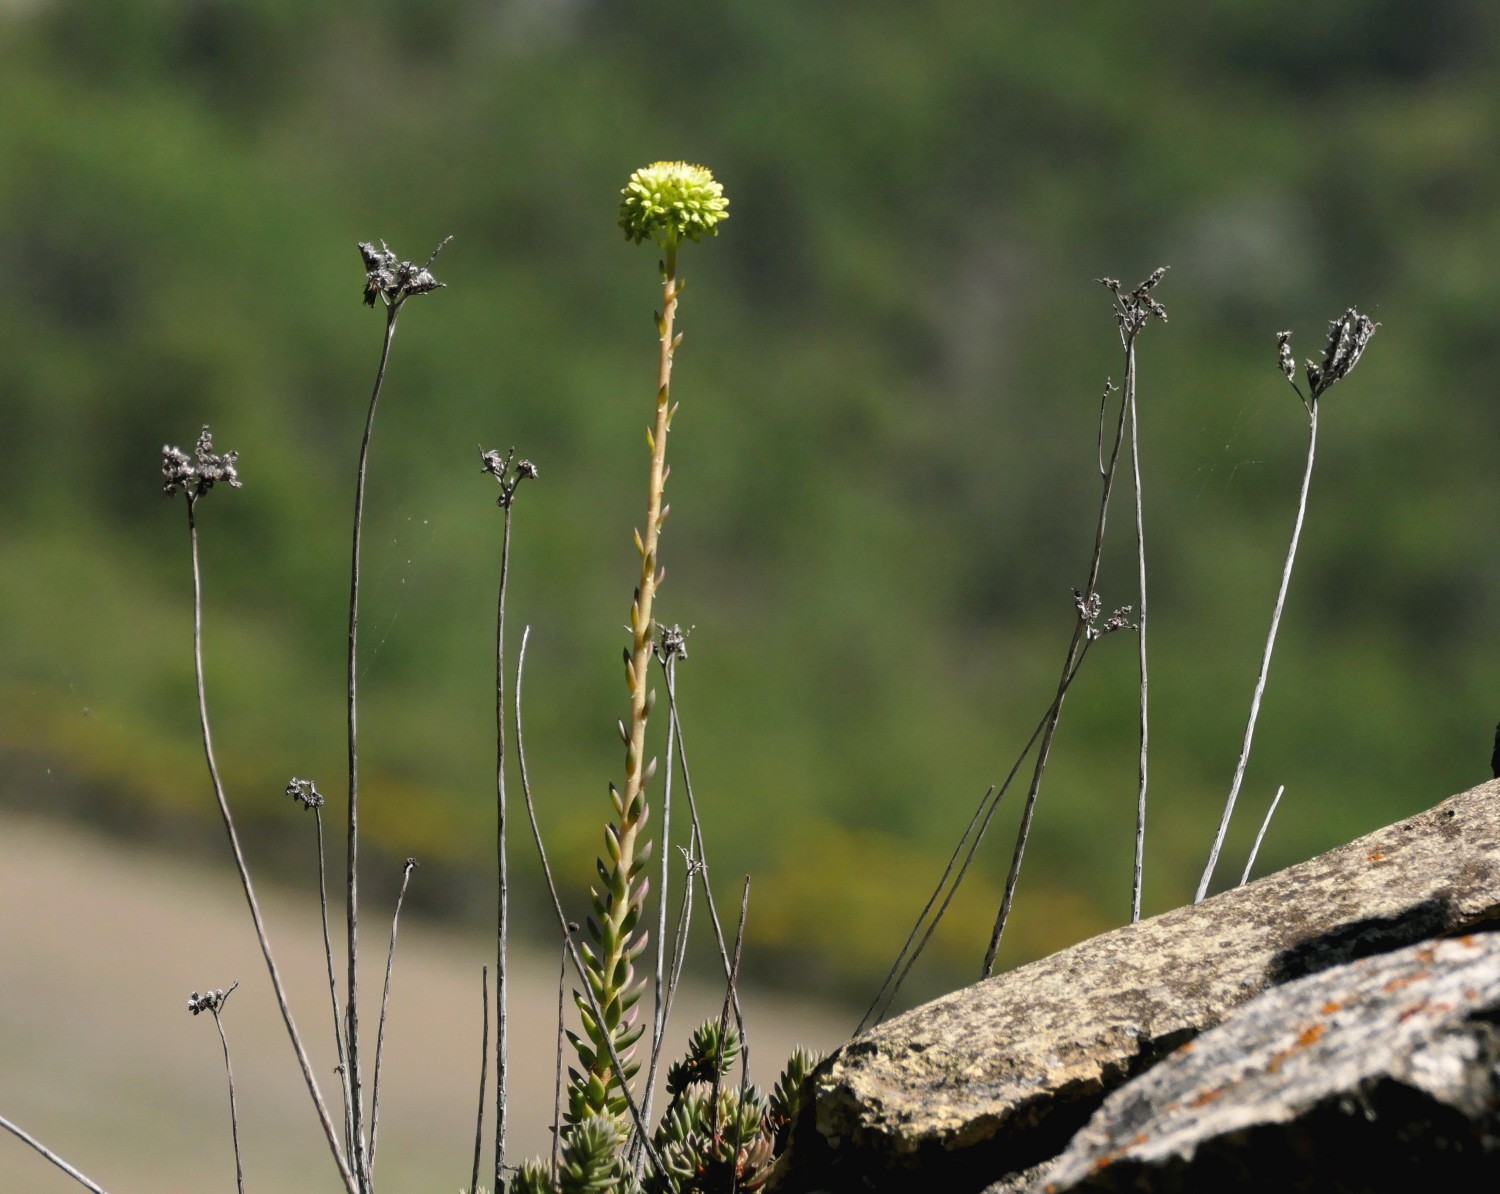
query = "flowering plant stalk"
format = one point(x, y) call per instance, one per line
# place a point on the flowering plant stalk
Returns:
point(667, 202)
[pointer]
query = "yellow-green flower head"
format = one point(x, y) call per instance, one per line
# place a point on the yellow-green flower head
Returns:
point(672, 202)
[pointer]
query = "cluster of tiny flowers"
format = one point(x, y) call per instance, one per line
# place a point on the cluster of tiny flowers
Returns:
point(1134, 310)
point(671, 202)
point(305, 791)
point(392, 280)
point(499, 467)
point(197, 474)
point(1090, 607)
point(209, 1001)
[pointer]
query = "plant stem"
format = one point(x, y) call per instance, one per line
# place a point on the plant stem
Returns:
point(619, 900)
point(385, 1000)
point(502, 927)
point(697, 839)
point(1140, 554)
point(663, 999)
point(333, 990)
point(484, 1057)
point(587, 997)
point(1265, 661)
point(562, 981)
point(1076, 648)
point(244, 871)
point(356, 1093)
point(234, 1119)
point(983, 813)
point(1261, 836)
point(731, 999)
point(27, 1138)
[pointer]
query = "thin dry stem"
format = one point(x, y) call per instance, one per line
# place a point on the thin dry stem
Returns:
point(701, 861)
point(484, 1057)
point(891, 983)
point(27, 1138)
point(1261, 836)
point(351, 1030)
point(234, 1119)
point(989, 803)
point(562, 920)
point(333, 989)
point(502, 872)
point(385, 1001)
point(1069, 670)
point(1265, 661)
point(244, 871)
point(731, 998)
point(659, 1019)
point(557, 1081)
point(1140, 554)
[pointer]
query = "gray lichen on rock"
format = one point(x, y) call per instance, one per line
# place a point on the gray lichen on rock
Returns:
point(996, 1078)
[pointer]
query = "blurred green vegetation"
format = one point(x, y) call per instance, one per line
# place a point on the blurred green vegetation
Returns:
point(883, 466)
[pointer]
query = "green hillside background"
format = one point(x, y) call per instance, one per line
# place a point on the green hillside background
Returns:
point(883, 476)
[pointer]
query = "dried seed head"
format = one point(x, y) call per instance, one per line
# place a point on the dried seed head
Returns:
point(671, 642)
point(499, 467)
point(306, 792)
point(1284, 355)
point(1135, 310)
point(1119, 620)
point(1089, 608)
point(1157, 275)
point(1347, 337)
point(198, 475)
point(210, 1001)
point(392, 281)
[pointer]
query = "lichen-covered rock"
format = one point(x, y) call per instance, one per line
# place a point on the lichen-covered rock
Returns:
point(977, 1086)
point(1383, 1074)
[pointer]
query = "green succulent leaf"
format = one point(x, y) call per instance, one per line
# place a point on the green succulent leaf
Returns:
point(533, 1178)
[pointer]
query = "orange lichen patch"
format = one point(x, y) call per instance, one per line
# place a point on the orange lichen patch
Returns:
point(1308, 1037)
point(1311, 1035)
point(1377, 855)
point(1467, 940)
point(1404, 980)
point(1415, 1009)
point(1208, 1096)
point(1427, 955)
point(1333, 1005)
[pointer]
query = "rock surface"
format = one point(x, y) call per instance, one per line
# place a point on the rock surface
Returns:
point(976, 1087)
point(1383, 1074)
